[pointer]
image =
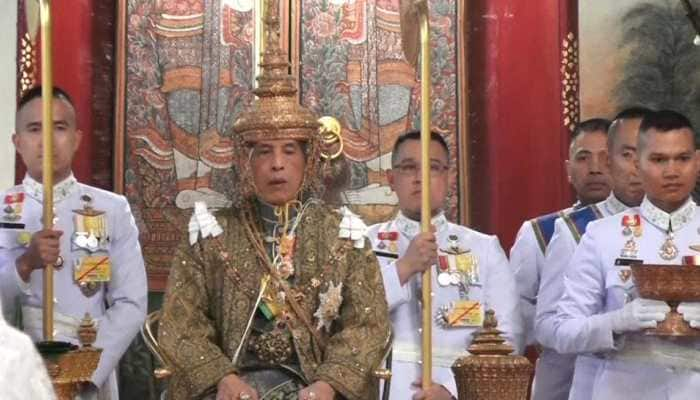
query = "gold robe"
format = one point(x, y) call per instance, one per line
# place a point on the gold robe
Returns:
point(212, 291)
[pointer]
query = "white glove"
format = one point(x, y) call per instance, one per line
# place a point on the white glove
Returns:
point(639, 314)
point(691, 313)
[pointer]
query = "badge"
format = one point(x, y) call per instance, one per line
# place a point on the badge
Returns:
point(632, 224)
point(13, 207)
point(629, 250)
point(461, 313)
point(624, 274)
point(391, 237)
point(453, 243)
point(24, 238)
point(393, 247)
point(93, 269)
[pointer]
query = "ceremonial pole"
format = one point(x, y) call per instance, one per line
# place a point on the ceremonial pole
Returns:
point(47, 154)
point(415, 31)
point(426, 210)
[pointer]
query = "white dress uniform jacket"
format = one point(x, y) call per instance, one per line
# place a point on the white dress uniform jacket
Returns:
point(495, 289)
point(22, 371)
point(118, 306)
point(554, 373)
point(633, 365)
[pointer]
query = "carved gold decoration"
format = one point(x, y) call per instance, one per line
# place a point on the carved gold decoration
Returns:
point(672, 284)
point(570, 82)
point(276, 112)
point(491, 372)
point(410, 13)
point(148, 333)
point(330, 131)
point(27, 63)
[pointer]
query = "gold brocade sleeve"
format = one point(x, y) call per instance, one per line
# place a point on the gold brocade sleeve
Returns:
point(187, 331)
point(355, 350)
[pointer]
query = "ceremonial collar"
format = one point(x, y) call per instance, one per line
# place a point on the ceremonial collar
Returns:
point(613, 205)
point(61, 190)
point(411, 228)
point(663, 220)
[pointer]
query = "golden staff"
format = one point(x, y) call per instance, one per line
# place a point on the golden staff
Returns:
point(47, 164)
point(415, 13)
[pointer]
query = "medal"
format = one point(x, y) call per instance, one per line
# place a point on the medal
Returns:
point(89, 288)
point(668, 250)
point(444, 279)
point(455, 278)
point(90, 227)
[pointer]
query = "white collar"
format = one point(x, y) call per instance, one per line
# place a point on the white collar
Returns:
point(613, 205)
point(61, 190)
point(411, 228)
point(677, 219)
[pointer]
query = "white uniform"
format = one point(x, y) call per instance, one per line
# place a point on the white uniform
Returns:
point(491, 285)
point(22, 371)
point(526, 261)
point(118, 306)
point(555, 371)
point(633, 365)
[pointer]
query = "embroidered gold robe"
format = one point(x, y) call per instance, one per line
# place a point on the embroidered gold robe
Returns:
point(212, 293)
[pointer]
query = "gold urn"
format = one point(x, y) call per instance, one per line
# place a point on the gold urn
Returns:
point(70, 366)
point(491, 372)
point(672, 284)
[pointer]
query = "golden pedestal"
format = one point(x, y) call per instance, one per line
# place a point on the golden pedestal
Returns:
point(672, 284)
point(491, 372)
point(70, 366)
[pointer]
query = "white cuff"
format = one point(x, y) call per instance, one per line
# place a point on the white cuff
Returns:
point(395, 293)
point(24, 287)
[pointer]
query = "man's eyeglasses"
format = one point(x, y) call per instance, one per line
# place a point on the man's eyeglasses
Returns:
point(411, 168)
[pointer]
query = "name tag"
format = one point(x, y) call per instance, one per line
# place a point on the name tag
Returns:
point(93, 269)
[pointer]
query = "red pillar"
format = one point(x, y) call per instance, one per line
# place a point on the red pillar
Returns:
point(517, 127)
point(72, 71)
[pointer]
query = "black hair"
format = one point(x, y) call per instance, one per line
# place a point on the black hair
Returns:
point(415, 135)
point(35, 93)
point(589, 126)
point(635, 112)
point(664, 121)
